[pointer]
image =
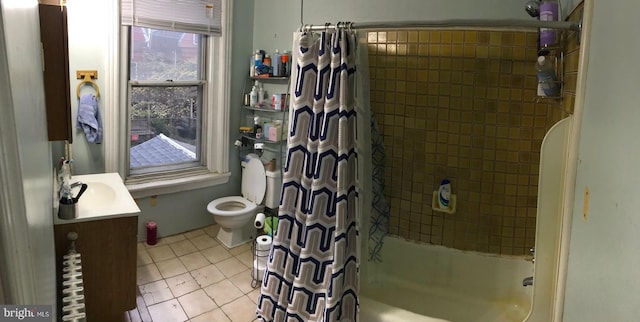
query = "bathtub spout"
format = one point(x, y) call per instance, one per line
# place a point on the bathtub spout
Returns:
point(527, 281)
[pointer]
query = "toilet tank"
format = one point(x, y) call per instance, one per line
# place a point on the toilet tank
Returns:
point(274, 187)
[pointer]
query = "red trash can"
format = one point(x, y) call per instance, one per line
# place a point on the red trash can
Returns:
point(152, 233)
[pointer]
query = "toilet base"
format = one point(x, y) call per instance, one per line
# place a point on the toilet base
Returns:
point(235, 237)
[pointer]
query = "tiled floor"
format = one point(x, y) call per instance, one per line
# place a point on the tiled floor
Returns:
point(192, 277)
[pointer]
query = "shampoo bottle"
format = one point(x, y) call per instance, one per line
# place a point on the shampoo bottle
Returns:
point(444, 194)
point(547, 78)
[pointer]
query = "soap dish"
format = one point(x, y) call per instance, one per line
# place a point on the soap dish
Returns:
point(436, 207)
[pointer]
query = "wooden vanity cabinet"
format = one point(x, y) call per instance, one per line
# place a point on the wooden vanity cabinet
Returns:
point(108, 249)
point(55, 58)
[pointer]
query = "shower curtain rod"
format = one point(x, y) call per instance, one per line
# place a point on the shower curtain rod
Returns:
point(453, 23)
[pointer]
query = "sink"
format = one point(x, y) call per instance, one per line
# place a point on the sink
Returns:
point(106, 197)
point(98, 194)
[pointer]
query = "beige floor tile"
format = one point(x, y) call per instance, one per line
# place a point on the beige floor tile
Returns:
point(147, 274)
point(240, 249)
point(182, 284)
point(223, 292)
point(212, 316)
point(141, 246)
point(243, 281)
point(161, 253)
point(143, 257)
point(207, 275)
point(183, 247)
point(173, 238)
point(155, 292)
point(246, 258)
point(231, 266)
point(216, 254)
point(159, 242)
point(204, 241)
point(212, 230)
point(168, 311)
point(254, 295)
point(194, 233)
point(240, 310)
point(194, 261)
point(171, 267)
point(196, 303)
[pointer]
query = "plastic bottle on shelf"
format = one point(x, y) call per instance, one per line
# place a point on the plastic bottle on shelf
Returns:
point(548, 12)
point(285, 68)
point(547, 78)
point(252, 66)
point(257, 58)
point(267, 62)
point(257, 61)
point(261, 95)
point(253, 96)
point(275, 62)
point(257, 128)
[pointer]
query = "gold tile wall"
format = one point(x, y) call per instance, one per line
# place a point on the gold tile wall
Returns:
point(461, 105)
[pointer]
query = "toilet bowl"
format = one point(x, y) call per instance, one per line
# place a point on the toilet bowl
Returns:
point(234, 214)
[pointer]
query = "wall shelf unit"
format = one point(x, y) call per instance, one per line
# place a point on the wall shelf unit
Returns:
point(263, 127)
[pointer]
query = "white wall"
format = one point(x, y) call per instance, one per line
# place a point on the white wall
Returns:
point(276, 20)
point(22, 36)
point(88, 34)
point(602, 281)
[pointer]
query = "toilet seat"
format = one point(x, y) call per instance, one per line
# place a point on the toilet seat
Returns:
point(240, 204)
point(254, 180)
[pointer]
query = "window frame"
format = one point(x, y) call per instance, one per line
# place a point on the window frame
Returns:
point(215, 128)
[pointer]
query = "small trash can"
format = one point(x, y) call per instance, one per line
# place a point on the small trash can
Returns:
point(152, 233)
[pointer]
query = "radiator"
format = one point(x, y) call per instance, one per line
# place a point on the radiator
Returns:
point(73, 307)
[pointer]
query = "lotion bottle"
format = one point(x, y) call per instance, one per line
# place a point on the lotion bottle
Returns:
point(548, 12)
point(253, 96)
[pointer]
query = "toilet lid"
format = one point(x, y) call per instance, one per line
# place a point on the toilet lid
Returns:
point(254, 180)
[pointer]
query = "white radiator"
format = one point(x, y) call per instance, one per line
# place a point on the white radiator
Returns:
point(73, 308)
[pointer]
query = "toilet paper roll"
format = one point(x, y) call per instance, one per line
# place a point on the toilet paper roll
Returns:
point(263, 242)
point(263, 246)
point(258, 271)
point(259, 222)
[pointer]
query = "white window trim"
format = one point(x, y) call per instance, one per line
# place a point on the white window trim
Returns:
point(215, 122)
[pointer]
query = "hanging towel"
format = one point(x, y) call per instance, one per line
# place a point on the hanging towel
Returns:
point(89, 118)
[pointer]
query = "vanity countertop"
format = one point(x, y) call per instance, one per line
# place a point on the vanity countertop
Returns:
point(106, 197)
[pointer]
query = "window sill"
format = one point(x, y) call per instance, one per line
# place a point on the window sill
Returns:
point(141, 188)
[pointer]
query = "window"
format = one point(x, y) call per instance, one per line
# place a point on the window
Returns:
point(170, 133)
point(166, 94)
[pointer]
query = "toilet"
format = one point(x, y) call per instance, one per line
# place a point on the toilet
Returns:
point(235, 214)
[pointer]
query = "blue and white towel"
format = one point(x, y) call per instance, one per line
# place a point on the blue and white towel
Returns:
point(89, 118)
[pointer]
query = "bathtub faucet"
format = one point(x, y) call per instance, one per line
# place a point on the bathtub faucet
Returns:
point(527, 281)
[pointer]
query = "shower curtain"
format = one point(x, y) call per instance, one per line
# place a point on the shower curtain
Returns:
point(312, 271)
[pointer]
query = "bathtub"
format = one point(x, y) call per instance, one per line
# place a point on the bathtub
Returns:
point(420, 282)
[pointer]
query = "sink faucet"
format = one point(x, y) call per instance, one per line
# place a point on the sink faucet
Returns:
point(527, 281)
point(76, 184)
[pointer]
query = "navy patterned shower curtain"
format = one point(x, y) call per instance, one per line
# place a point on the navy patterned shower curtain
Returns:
point(312, 271)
